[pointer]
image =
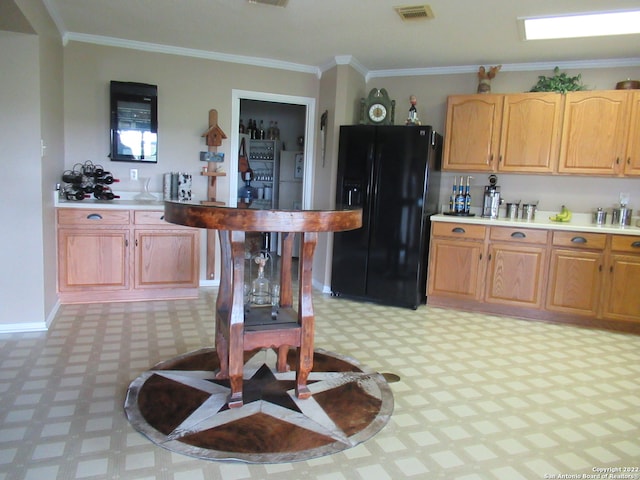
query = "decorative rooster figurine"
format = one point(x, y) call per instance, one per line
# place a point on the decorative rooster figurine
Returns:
point(484, 85)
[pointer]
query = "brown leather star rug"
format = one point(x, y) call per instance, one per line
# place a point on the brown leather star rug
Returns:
point(179, 405)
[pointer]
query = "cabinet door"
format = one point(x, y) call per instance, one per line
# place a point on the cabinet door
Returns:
point(515, 274)
point(166, 258)
point(93, 260)
point(472, 133)
point(575, 279)
point(632, 162)
point(455, 268)
point(594, 132)
point(530, 132)
point(623, 298)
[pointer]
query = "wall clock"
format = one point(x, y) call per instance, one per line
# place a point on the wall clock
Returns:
point(377, 108)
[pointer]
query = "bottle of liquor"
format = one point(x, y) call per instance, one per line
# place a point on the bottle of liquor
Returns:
point(249, 130)
point(459, 202)
point(260, 287)
point(467, 197)
point(276, 132)
point(261, 130)
point(241, 127)
point(452, 197)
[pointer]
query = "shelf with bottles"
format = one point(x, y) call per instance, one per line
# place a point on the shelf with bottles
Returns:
point(256, 130)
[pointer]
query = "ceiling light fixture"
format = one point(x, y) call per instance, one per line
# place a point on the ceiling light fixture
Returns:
point(581, 25)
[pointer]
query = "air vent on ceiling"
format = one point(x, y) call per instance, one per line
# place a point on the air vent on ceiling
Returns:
point(415, 12)
point(275, 3)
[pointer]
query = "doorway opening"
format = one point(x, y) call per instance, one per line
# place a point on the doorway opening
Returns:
point(293, 137)
point(275, 100)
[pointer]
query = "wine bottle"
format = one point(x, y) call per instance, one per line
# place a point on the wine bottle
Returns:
point(261, 131)
point(249, 129)
point(241, 127)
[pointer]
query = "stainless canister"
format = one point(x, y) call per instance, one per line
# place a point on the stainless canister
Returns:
point(512, 210)
point(599, 216)
point(621, 216)
point(529, 211)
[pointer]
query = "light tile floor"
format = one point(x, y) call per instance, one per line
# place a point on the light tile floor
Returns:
point(480, 397)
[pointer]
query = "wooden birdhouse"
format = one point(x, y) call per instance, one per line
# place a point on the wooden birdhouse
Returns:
point(214, 134)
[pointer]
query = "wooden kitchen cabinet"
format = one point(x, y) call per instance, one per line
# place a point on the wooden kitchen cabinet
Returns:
point(516, 266)
point(455, 260)
point(503, 133)
point(632, 158)
point(120, 255)
point(575, 273)
point(472, 135)
point(93, 250)
point(164, 257)
point(622, 295)
point(93, 259)
point(594, 132)
point(530, 133)
point(585, 278)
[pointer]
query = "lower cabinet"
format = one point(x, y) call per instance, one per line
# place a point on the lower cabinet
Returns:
point(576, 272)
point(120, 255)
point(455, 257)
point(622, 295)
point(516, 266)
point(554, 275)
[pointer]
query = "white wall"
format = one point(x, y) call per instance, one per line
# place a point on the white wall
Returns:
point(21, 212)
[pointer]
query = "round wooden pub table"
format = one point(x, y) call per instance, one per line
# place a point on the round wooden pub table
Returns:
point(239, 330)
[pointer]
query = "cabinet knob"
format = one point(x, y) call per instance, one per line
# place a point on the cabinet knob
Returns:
point(458, 230)
point(519, 235)
point(94, 216)
point(579, 240)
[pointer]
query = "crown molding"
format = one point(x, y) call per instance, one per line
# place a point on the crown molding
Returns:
point(513, 67)
point(342, 60)
point(189, 52)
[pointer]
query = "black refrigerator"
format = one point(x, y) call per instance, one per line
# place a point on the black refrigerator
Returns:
point(393, 174)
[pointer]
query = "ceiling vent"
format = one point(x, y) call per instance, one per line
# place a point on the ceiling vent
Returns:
point(274, 3)
point(415, 12)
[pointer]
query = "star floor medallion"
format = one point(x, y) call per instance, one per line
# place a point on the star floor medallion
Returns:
point(180, 405)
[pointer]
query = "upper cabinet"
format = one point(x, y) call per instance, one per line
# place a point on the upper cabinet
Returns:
point(632, 158)
point(585, 133)
point(530, 132)
point(472, 132)
point(503, 133)
point(595, 129)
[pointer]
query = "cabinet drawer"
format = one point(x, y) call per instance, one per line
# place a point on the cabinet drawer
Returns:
point(150, 217)
point(625, 243)
point(458, 230)
point(593, 241)
point(522, 235)
point(97, 217)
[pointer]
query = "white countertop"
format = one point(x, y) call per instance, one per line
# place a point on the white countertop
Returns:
point(580, 222)
point(127, 201)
